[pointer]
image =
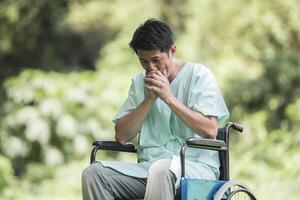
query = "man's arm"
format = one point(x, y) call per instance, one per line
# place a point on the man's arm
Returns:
point(129, 125)
point(206, 127)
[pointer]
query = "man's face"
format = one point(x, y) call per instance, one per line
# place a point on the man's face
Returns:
point(155, 60)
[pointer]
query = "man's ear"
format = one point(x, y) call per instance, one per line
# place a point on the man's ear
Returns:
point(173, 50)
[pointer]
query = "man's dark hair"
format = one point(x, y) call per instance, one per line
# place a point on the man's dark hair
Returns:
point(152, 35)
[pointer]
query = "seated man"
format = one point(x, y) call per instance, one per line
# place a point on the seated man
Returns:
point(170, 101)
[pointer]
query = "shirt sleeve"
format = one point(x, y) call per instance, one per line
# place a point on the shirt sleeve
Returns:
point(129, 104)
point(205, 96)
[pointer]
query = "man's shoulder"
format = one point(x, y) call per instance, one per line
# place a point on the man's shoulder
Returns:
point(198, 69)
point(139, 77)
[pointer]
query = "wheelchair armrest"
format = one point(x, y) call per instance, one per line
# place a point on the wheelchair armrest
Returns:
point(201, 143)
point(209, 144)
point(111, 146)
point(115, 146)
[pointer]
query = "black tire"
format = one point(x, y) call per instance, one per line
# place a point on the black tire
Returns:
point(234, 190)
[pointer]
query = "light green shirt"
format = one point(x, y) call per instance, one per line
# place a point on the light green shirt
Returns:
point(163, 133)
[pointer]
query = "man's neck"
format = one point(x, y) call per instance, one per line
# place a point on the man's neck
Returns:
point(177, 66)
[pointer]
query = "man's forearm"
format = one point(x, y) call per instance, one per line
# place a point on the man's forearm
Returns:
point(129, 125)
point(206, 127)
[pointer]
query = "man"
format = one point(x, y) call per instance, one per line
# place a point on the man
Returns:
point(167, 103)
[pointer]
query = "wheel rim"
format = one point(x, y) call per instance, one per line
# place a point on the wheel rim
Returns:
point(234, 190)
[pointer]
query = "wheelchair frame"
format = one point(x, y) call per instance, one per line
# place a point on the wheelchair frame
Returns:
point(230, 187)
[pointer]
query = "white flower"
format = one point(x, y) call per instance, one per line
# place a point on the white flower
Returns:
point(80, 145)
point(16, 147)
point(22, 94)
point(93, 126)
point(26, 114)
point(44, 83)
point(66, 126)
point(76, 95)
point(37, 129)
point(51, 107)
point(53, 157)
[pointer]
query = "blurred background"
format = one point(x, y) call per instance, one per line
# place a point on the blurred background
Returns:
point(65, 69)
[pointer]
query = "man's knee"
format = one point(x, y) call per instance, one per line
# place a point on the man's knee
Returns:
point(91, 171)
point(160, 168)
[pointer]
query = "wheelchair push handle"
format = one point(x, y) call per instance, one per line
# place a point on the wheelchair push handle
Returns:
point(236, 126)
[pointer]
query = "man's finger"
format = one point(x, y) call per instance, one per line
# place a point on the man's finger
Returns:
point(151, 72)
point(165, 72)
point(155, 77)
point(152, 81)
point(162, 74)
point(152, 88)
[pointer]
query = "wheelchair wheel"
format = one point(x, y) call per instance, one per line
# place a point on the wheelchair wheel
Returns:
point(234, 190)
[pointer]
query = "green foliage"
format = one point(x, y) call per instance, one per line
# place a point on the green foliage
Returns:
point(51, 35)
point(270, 165)
point(53, 118)
point(5, 173)
point(50, 118)
point(64, 183)
point(261, 38)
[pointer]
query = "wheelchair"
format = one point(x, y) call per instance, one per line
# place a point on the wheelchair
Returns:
point(197, 189)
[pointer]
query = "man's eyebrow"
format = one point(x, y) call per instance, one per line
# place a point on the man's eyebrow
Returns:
point(151, 58)
point(155, 57)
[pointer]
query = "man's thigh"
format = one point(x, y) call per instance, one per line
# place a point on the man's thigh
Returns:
point(120, 185)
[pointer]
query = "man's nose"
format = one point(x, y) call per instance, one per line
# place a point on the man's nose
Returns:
point(151, 66)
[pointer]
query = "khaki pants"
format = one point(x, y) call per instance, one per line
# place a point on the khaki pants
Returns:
point(102, 183)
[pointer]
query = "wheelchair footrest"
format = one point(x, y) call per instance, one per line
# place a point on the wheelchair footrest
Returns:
point(199, 189)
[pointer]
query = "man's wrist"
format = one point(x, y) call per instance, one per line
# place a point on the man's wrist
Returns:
point(170, 100)
point(151, 99)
